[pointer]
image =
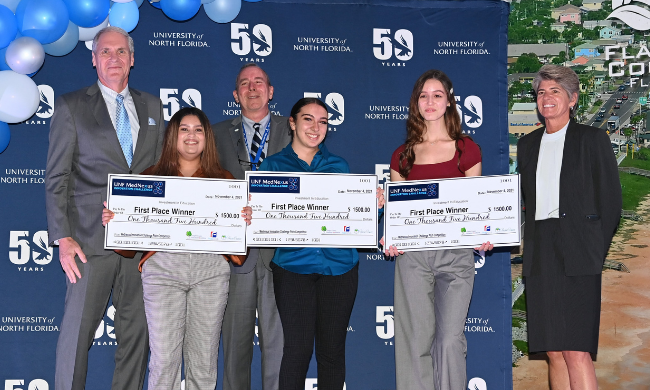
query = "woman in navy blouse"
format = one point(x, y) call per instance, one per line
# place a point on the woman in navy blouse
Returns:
point(315, 288)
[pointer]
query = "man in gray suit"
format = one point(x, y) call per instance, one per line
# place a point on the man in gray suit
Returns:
point(105, 128)
point(243, 143)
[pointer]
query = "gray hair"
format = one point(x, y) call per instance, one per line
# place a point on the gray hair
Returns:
point(113, 29)
point(249, 65)
point(565, 77)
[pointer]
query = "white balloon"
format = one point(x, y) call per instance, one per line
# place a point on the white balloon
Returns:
point(87, 34)
point(89, 45)
point(19, 97)
point(25, 55)
point(11, 4)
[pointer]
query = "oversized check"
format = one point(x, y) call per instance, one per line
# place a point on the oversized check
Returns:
point(176, 214)
point(312, 209)
point(452, 213)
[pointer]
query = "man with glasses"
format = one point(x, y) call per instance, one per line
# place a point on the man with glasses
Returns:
point(105, 128)
point(243, 143)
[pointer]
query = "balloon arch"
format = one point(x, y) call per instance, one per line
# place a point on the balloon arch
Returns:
point(29, 29)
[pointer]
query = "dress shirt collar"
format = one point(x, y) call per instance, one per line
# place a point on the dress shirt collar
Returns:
point(110, 94)
point(248, 123)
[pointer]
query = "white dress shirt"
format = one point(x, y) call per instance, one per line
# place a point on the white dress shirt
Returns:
point(549, 167)
point(110, 97)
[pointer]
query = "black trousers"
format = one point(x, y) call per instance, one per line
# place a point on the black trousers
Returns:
point(314, 307)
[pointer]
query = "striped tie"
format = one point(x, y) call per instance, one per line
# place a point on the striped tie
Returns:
point(257, 139)
point(123, 127)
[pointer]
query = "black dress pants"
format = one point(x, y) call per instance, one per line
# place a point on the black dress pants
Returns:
point(314, 307)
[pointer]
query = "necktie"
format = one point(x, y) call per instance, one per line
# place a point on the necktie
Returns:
point(123, 127)
point(257, 139)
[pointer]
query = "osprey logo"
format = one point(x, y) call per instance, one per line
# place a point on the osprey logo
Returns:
point(479, 258)
point(384, 47)
point(471, 112)
point(261, 39)
point(45, 108)
point(171, 104)
point(477, 384)
point(634, 16)
point(336, 105)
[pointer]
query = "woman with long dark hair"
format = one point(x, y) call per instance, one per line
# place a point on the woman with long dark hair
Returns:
point(315, 288)
point(433, 288)
point(185, 294)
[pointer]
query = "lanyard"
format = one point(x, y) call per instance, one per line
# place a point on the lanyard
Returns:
point(260, 149)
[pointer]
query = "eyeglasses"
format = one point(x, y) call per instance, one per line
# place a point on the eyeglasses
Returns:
point(248, 164)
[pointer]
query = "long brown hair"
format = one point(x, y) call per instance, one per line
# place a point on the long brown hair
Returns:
point(415, 126)
point(168, 164)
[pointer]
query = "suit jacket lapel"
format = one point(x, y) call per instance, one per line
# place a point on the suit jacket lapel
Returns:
point(143, 119)
point(570, 158)
point(277, 127)
point(237, 137)
point(531, 168)
point(105, 128)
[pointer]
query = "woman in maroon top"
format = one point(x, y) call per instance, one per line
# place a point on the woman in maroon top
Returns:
point(433, 288)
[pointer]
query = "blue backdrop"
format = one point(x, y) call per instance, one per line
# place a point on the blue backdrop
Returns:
point(362, 60)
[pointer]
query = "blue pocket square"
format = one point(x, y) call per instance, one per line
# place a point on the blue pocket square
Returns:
point(152, 121)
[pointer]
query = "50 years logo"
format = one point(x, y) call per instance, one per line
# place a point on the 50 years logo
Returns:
point(22, 250)
point(18, 384)
point(260, 40)
point(477, 384)
point(106, 327)
point(386, 45)
point(471, 112)
point(336, 105)
point(312, 384)
point(171, 104)
point(385, 317)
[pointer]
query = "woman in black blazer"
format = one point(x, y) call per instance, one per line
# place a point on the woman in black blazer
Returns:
point(570, 185)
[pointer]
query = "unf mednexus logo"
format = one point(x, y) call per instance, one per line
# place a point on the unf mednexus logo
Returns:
point(635, 16)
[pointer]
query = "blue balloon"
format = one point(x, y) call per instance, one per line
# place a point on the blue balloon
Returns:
point(138, 2)
point(11, 4)
point(87, 13)
point(43, 20)
point(155, 5)
point(66, 43)
point(124, 15)
point(3, 61)
point(222, 11)
point(5, 136)
point(180, 9)
point(8, 26)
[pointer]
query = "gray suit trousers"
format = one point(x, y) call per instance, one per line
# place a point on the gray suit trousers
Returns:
point(432, 294)
point(247, 292)
point(85, 304)
point(185, 297)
